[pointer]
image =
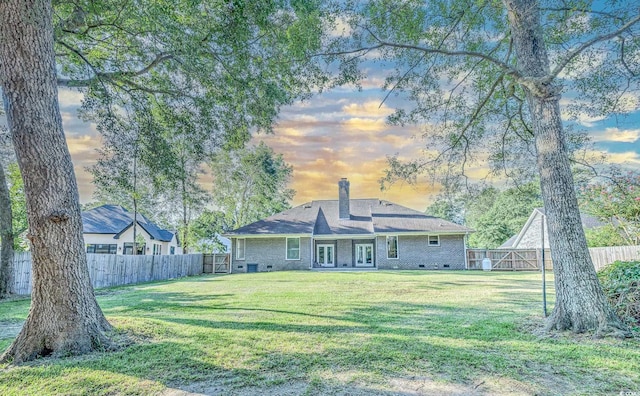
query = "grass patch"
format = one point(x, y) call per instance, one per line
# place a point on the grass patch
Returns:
point(321, 333)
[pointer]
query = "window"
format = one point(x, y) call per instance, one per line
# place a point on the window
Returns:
point(128, 248)
point(240, 242)
point(157, 249)
point(102, 248)
point(293, 248)
point(434, 240)
point(392, 247)
point(172, 250)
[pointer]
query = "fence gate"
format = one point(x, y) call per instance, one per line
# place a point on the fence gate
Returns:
point(508, 259)
point(215, 263)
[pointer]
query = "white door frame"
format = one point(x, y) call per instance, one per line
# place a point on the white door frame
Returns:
point(363, 246)
point(325, 246)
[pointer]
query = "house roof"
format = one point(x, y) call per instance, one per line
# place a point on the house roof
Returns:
point(588, 222)
point(367, 217)
point(114, 219)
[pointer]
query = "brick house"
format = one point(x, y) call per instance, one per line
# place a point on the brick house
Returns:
point(348, 233)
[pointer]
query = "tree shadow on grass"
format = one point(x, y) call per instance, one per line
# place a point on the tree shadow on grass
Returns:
point(404, 339)
point(399, 341)
point(230, 348)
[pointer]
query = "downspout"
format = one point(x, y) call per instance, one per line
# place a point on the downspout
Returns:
point(311, 252)
point(466, 255)
point(230, 256)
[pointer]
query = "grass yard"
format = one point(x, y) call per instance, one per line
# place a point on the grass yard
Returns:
point(364, 333)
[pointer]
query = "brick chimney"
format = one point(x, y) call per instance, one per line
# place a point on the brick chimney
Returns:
point(343, 198)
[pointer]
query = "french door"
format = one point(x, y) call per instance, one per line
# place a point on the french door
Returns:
point(364, 255)
point(325, 255)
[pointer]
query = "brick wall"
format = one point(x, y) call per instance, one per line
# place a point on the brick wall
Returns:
point(270, 252)
point(414, 251)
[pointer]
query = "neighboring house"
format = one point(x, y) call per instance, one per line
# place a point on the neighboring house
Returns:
point(348, 233)
point(108, 229)
point(531, 234)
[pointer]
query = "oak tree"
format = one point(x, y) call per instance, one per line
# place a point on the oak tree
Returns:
point(226, 60)
point(485, 78)
point(64, 314)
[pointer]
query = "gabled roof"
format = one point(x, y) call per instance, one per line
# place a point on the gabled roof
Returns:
point(588, 222)
point(367, 217)
point(114, 219)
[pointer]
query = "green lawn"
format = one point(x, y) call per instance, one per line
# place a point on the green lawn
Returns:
point(379, 333)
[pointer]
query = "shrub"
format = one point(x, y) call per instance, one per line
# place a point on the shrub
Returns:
point(621, 284)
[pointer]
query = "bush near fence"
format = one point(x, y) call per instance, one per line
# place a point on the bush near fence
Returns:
point(108, 270)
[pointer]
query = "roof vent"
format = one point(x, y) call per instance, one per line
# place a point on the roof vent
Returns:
point(307, 206)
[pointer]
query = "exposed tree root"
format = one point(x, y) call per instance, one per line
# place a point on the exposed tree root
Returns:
point(605, 324)
point(32, 344)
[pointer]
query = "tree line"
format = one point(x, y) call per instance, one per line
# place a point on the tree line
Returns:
point(498, 214)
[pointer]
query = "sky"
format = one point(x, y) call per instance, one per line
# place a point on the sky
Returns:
point(343, 133)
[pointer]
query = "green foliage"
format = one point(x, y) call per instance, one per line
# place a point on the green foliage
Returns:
point(204, 231)
point(607, 235)
point(505, 216)
point(229, 66)
point(621, 284)
point(495, 215)
point(18, 207)
point(448, 209)
point(616, 202)
point(250, 184)
point(171, 83)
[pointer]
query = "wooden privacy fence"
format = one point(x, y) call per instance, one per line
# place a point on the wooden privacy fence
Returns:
point(531, 259)
point(108, 270)
point(602, 256)
point(216, 263)
point(508, 259)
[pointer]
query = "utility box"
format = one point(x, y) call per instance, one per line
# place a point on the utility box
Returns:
point(486, 264)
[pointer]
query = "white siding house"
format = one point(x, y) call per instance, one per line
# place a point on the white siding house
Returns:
point(108, 229)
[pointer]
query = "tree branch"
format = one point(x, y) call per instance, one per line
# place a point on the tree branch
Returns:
point(109, 76)
point(583, 10)
point(560, 66)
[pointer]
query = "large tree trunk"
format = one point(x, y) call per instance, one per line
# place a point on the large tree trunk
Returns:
point(580, 302)
point(64, 317)
point(6, 234)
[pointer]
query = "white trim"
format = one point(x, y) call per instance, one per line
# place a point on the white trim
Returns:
point(347, 236)
point(267, 235)
point(373, 254)
point(343, 236)
point(397, 247)
point(311, 242)
point(286, 249)
point(526, 226)
point(333, 254)
point(466, 255)
point(244, 249)
point(429, 242)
